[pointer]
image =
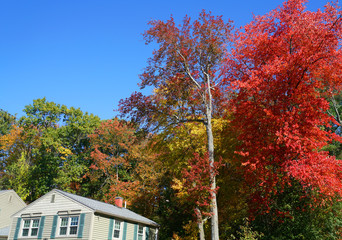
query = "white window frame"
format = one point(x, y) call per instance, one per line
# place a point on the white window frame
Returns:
point(30, 227)
point(68, 226)
point(141, 234)
point(120, 229)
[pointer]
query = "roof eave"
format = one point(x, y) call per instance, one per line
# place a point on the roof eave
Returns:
point(154, 224)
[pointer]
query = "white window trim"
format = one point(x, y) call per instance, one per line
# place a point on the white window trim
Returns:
point(30, 227)
point(121, 230)
point(143, 234)
point(67, 235)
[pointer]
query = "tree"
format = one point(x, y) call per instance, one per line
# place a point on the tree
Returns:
point(122, 165)
point(6, 121)
point(113, 162)
point(49, 141)
point(184, 73)
point(196, 188)
point(284, 65)
point(291, 215)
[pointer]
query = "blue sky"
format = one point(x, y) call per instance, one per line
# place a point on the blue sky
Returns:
point(89, 54)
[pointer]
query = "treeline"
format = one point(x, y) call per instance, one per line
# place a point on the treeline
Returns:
point(241, 136)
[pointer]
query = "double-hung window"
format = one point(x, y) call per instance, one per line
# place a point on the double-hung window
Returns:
point(68, 225)
point(117, 229)
point(30, 227)
point(140, 232)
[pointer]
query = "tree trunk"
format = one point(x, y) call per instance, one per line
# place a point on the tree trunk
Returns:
point(214, 218)
point(200, 223)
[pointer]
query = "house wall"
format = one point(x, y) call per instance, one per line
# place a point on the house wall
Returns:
point(47, 229)
point(130, 231)
point(102, 228)
point(45, 206)
point(10, 203)
point(48, 207)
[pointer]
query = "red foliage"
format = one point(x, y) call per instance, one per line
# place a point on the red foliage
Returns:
point(186, 63)
point(113, 146)
point(197, 182)
point(283, 65)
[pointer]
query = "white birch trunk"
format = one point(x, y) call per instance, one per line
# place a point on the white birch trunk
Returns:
point(213, 206)
point(200, 223)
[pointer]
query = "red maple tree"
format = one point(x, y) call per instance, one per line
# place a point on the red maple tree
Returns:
point(112, 171)
point(283, 66)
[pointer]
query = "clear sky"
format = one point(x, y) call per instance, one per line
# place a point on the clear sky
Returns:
point(89, 53)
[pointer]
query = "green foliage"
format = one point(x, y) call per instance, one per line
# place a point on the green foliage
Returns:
point(247, 233)
point(6, 121)
point(292, 216)
point(53, 140)
point(19, 177)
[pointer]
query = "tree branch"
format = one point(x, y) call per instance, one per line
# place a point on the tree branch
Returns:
point(188, 70)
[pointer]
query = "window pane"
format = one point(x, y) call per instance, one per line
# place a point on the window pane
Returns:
point(35, 223)
point(27, 223)
point(63, 231)
point(74, 221)
point(34, 231)
point(73, 230)
point(64, 221)
point(117, 225)
point(141, 229)
point(116, 233)
point(140, 237)
point(25, 232)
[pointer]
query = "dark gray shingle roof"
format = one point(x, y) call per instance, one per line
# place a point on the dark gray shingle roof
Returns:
point(108, 209)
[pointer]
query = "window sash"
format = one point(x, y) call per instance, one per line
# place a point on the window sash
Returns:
point(68, 226)
point(30, 227)
point(117, 228)
point(140, 232)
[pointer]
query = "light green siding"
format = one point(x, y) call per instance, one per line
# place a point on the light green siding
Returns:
point(48, 227)
point(10, 203)
point(130, 231)
point(101, 227)
point(45, 205)
point(104, 226)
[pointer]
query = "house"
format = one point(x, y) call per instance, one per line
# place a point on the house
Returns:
point(62, 215)
point(10, 203)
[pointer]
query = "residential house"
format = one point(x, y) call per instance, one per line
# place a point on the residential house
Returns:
point(10, 203)
point(62, 215)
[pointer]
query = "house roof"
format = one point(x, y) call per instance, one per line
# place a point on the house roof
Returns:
point(4, 231)
point(108, 209)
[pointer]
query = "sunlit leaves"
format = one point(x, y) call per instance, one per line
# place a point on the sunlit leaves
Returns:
point(284, 64)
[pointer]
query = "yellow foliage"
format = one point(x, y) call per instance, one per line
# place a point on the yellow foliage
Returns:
point(64, 152)
point(178, 186)
point(177, 145)
point(191, 231)
point(6, 141)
